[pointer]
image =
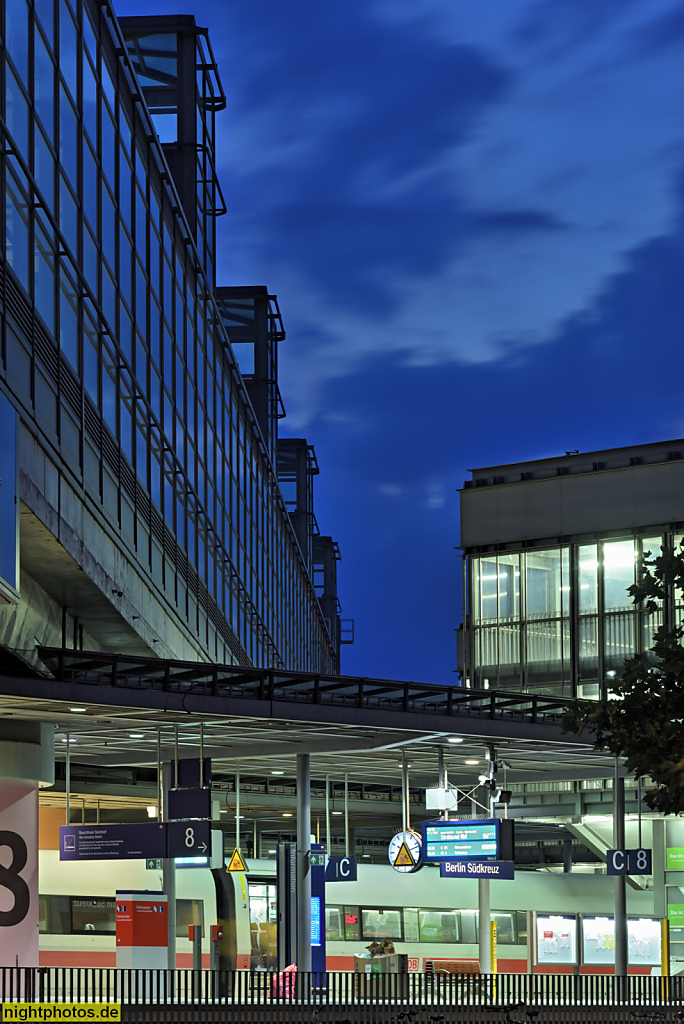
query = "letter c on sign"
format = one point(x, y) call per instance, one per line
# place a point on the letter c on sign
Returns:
point(618, 860)
point(345, 867)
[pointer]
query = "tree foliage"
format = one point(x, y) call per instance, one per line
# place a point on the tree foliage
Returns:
point(643, 721)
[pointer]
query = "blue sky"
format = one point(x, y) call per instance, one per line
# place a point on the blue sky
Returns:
point(472, 217)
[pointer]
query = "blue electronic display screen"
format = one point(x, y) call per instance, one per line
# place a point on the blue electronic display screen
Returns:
point(315, 920)
point(468, 840)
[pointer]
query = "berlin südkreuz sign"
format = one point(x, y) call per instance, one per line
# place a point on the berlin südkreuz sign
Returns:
point(477, 869)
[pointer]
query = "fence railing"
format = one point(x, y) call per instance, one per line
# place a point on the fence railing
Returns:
point(261, 997)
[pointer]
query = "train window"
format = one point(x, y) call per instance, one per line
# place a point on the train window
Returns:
point(92, 915)
point(439, 925)
point(469, 926)
point(188, 912)
point(43, 913)
point(505, 928)
point(334, 923)
point(54, 915)
point(381, 924)
point(352, 924)
point(411, 929)
point(521, 926)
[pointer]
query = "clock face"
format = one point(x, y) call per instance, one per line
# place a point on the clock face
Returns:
point(404, 852)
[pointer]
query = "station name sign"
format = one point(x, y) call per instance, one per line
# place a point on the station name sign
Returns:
point(477, 839)
point(477, 869)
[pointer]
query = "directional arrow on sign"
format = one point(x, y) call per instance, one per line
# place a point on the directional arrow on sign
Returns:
point(202, 848)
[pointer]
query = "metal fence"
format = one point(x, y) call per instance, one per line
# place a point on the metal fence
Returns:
point(260, 997)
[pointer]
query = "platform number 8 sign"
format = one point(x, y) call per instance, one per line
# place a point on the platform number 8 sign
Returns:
point(11, 879)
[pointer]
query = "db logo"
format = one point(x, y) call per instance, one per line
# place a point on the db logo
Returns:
point(412, 963)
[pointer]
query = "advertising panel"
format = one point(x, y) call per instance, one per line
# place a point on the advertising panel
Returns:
point(556, 940)
point(18, 876)
point(643, 941)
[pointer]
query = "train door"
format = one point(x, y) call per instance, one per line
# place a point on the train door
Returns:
point(263, 923)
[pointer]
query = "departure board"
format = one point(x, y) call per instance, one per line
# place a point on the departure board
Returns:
point(465, 840)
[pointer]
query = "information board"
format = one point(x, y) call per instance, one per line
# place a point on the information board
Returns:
point(112, 842)
point(477, 839)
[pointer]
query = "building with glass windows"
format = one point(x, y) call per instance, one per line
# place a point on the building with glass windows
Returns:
point(142, 484)
point(550, 549)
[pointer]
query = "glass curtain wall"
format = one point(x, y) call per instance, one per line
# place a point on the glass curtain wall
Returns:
point(114, 345)
point(561, 620)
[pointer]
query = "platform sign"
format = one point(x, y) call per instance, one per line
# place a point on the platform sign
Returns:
point(476, 839)
point(189, 803)
point(477, 869)
point(628, 862)
point(341, 869)
point(18, 875)
point(112, 842)
point(188, 839)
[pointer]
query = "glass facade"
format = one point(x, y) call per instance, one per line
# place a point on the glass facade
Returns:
point(113, 349)
point(559, 620)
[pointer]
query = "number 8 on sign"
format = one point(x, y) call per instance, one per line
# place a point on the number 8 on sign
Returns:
point(189, 837)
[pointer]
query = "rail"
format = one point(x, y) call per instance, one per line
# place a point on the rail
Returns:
point(276, 685)
point(259, 996)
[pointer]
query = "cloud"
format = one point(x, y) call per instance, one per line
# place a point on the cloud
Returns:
point(557, 182)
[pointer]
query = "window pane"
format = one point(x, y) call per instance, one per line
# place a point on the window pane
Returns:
point(381, 924)
point(16, 226)
point(334, 923)
point(188, 912)
point(588, 578)
point(543, 581)
point(509, 587)
point(92, 915)
point(488, 575)
point(544, 655)
point(439, 925)
point(505, 928)
point(618, 570)
point(619, 630)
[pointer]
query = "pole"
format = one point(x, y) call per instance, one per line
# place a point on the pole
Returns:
point(237, 807)
point(159, 775)
point(67, 782)
point(443, 780)
point(484, 921)
point(303, 870)
point(619, 881)
point(169, 870)
point(201, 764)
point(327, 814)
point(346, 814)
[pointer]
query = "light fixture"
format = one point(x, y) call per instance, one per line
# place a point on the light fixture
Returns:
point(277, 771)
point(151, 811)
point(78, 709)
point(365, 854)
point(71, 739)
point(136, 735)
point(471, 760)
point(337, 812)
point(455, 739)
point(286, 814)
point(271, 851)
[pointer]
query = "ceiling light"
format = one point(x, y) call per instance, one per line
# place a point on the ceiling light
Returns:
point(137, 735)
point(151, 811)
point(78, 709)
point(365, 854)
point(277, 771)
point(455, 739)
point(69, 740)
point(336, 812)
point(271, 851)
point(286, 814)
point(471, 760)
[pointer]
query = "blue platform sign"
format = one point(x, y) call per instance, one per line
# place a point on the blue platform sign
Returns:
point(317, 871)
point(477, 869)
point(112, 842)
point(629, 862)
point(340, 869)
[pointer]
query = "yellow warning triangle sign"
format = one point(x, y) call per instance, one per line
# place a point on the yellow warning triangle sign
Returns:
point(236, 862)
point(404, 859)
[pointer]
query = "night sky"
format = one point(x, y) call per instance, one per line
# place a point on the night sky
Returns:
point(471, 214)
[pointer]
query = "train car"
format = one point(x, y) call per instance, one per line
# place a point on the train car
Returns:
point(426, 917)
point(77, 910)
